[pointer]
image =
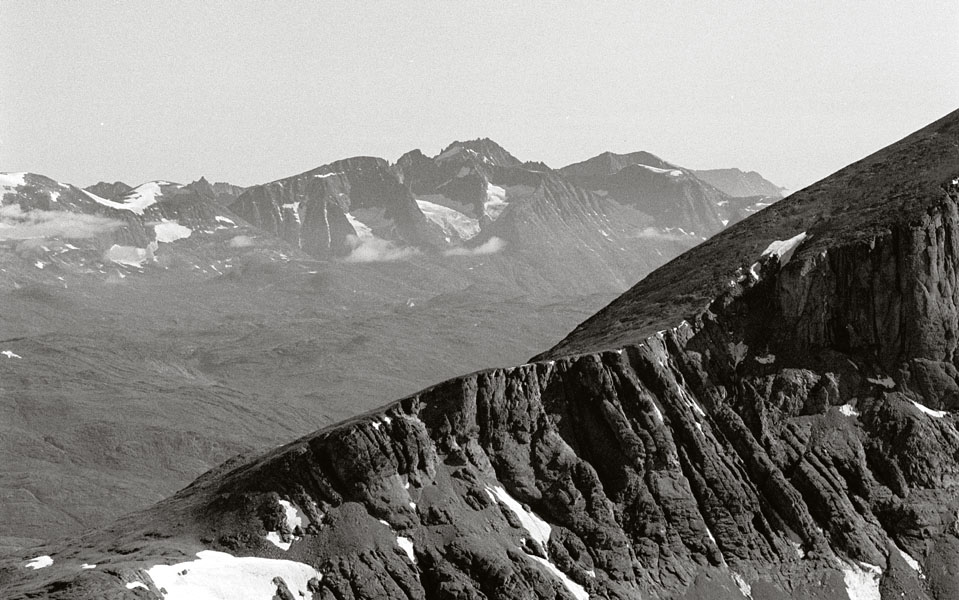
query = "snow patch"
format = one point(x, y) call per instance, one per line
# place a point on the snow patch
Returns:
point(294, 518)
point(294, 207)
point(886, 382)
point(217, 575)
point(490, 246)
point(363, 230)
point(226, 221)
point(932, 413)
point(784, 249)
point(104, 201)
point(9, 181)
point(495, 202)
point(275, 538)
point(136, 200)
point(766, 360)
point(670, 172)
point(87, 566)
point(171, 231)
point(137, 584)
point(130, 255)
point(451, 221)
point(800, 553)
point(578, 591)
point(406, 544)
point(657, 414)
point(849, 410)
point(538, 529)
point(912, 562)
point(39, 562)
point(862, 581)
point(744, 587)
point(142, 196)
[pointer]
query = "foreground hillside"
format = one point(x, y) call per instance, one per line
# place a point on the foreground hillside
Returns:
point(774, 423)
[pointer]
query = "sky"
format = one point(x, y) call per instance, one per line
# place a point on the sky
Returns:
point(252, 91)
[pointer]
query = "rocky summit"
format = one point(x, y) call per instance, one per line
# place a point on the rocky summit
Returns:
point(769, 416)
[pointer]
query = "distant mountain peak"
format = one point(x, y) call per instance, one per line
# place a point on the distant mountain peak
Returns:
point(484, 149)
point(610, 163)
point(110, 191)
point(739, 183)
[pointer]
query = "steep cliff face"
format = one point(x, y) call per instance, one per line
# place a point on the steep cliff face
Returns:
point(326, 212)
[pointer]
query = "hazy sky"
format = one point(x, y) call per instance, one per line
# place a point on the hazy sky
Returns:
point(249, 92)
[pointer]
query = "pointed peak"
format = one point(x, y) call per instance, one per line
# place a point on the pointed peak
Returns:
point(202, 186)
point(414, 156)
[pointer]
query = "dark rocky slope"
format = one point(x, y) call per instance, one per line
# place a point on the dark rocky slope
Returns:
point(110, 191)
point(755, 419)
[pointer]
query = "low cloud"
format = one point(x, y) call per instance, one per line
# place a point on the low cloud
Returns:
point(241, 241)
point(490, 246)
point(17, 224)
point(371, 249)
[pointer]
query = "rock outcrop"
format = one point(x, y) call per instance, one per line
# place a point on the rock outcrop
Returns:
point(326, 211)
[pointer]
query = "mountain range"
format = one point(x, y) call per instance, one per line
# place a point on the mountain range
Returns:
point(207, 319)
point(154, 331)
